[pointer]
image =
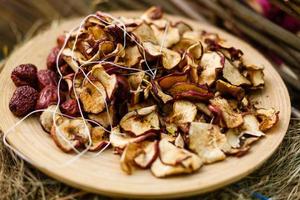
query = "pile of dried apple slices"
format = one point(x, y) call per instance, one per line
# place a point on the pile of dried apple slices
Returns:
point(165, 97)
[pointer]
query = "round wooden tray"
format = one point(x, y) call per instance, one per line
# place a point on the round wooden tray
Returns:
point(102, 174)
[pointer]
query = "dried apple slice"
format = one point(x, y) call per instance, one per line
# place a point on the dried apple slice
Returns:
point(152, 13)
point(144, 33)
point(190, 91)
point(158, 93)
point(210, 62)
point(148, 154)
point(132, 56)
point(256, 77)
point(183, 112)
point(233, 76)
point(120, 140)
point(46, 118)
point(105, 118)
point(231, 118)
point(251, 126)
point(268, 118)
point(182, 27)
point(109, 82)
point(173, 160)
point(166, 38)
point(135, 80)
point(195, 50)
point(92, 96)
point(141, 121)
point(227, 88)
point(169, 80)
point(207, 141)
point(70, 133)
point(183, 45)
point(179, 141)
point(204, 109)
point(99, 139)
point(170, 58)
point(127, 157)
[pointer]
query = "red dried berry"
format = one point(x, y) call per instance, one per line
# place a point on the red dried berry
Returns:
point(48, 96)
point(47, 77)
point(60, 41)
point(51, 59)
point(70, 107)
point(23, 100)
point(25, 74)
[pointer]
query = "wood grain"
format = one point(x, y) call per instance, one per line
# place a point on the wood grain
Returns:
point(102, 174)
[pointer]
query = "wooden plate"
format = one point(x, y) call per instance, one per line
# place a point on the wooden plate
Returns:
point(102, 174)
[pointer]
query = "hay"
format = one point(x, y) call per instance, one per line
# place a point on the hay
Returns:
point(278, 178)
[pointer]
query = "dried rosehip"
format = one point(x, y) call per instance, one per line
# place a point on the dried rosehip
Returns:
point(60, 40)
point(23, 100)
point(46, 77)
point(25, 74)
point(51, 59)
point(48, 96)
point(70, 107)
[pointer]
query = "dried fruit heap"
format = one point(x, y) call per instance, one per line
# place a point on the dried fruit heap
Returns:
point(164, 96)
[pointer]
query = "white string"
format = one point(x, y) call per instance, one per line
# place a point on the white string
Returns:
point(55, 112)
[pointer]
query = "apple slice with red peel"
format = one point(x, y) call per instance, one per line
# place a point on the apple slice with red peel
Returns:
point(231, 118)
point(207, 141)
point(169, 80)
point(46, 118)
point(99, 139)
point(174, 161)
point(148, 154)
point(92, 96)
point(182, 27)
point(190, 91)
point(109, 82)
point(233, 75)
point(169, 58)
point(70, 133)
point(211, 62)
point(268, 117)
point(141, 121)
point(227, 88)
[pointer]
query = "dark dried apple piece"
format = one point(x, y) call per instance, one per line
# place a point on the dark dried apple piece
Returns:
point(148, 154)
point(227, 88)
point(169, 80)
point(190, 91)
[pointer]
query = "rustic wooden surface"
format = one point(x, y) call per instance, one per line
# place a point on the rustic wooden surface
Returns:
point(102, 174)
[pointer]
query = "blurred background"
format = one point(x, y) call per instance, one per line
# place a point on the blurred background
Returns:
point(272, 26)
